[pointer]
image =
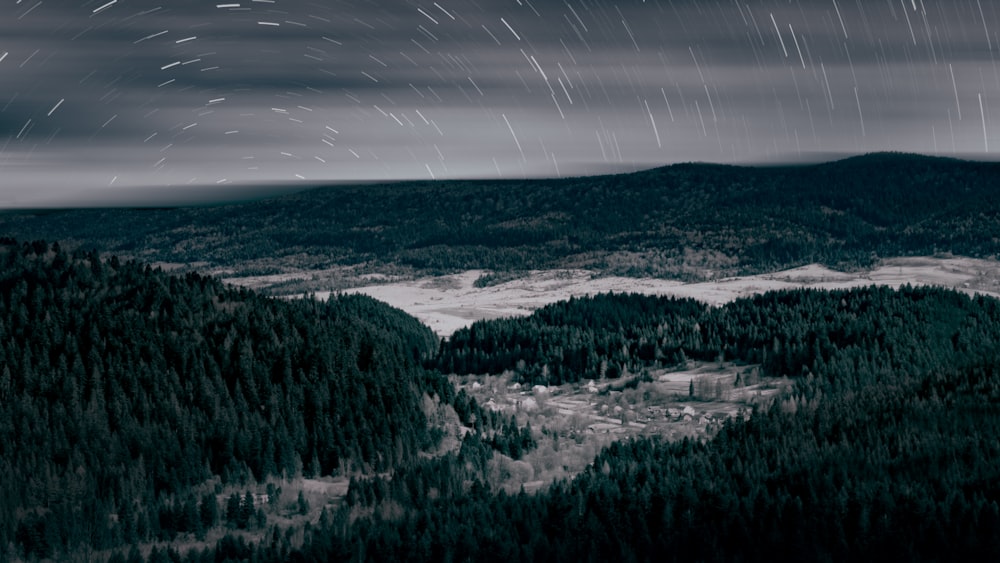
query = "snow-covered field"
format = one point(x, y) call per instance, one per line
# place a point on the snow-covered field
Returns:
point(447, 303)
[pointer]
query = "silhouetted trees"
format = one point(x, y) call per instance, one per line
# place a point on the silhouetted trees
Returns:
point(122, 387)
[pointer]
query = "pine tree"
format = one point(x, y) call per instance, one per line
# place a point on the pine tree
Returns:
point(208, 511)
point(302, 504)
point(233, 509)
point(246, 510)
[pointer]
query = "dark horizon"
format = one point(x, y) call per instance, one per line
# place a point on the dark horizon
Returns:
point(212, 195)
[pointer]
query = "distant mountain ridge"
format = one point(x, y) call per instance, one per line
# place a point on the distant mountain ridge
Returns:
point(684, 220)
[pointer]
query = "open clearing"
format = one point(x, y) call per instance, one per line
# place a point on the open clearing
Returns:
point(447, 303)
point(573, 422)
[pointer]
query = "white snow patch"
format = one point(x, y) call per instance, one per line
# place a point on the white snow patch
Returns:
point(447, 303)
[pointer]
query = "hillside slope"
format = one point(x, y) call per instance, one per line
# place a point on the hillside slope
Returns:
point(685, 220)
point(885, 446)
point(122, 388)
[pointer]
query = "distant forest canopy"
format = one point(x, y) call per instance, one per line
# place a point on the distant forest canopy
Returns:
point(789, 333)
point(685, 220)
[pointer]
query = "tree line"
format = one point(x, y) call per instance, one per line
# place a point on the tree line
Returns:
point(788, 333)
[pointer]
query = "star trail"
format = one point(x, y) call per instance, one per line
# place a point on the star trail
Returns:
point(100, 97)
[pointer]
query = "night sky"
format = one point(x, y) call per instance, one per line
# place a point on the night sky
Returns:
point(102, 99)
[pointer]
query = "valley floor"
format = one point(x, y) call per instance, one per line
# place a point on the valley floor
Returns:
point(574, 421)
point(447, 303)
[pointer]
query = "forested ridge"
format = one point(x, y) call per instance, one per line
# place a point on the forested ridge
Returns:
point(123, 388)
point(685, 220)
point(588, 338)
point(129, 397)
point(886, 448)
point(788, 333)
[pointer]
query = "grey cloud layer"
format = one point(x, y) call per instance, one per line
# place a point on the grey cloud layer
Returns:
point(361, 89)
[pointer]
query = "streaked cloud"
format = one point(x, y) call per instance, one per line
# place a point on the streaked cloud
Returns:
point(140, 93)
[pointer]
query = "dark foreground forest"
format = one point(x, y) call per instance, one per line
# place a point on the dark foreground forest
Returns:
point(124, 389)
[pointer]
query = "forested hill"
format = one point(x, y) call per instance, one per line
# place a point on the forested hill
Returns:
point(129, 398)
point(679, 220)
point(886, 447)
point(788, 333)
point(122, 387)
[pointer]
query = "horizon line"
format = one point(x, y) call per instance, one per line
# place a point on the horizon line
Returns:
point(212, 195)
